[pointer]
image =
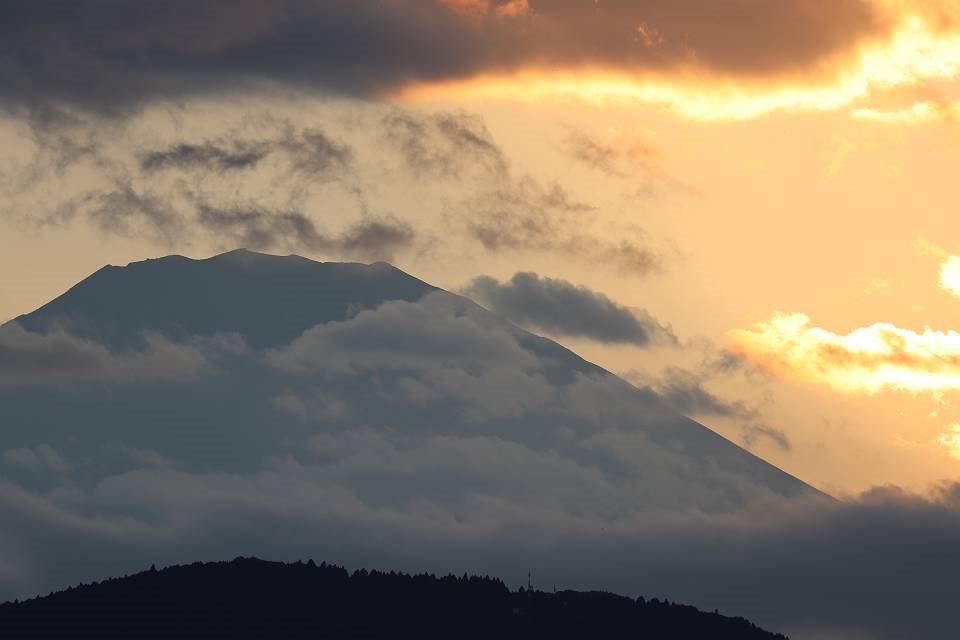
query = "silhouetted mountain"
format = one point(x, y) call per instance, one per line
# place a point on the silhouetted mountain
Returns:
point(270, 405)
point(249, 598)
point(269, 300)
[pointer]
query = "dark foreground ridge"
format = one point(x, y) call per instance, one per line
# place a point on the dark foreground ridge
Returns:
point(250, 598)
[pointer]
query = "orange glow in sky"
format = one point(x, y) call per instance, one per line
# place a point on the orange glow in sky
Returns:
point(871, 359)
point(916, 53)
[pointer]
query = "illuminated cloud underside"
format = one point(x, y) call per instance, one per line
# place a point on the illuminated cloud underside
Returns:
point(916, 53)
point(867, 360)
point(950, 440)
point(950, 275)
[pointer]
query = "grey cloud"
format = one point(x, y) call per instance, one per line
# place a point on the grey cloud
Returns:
point(435, 331)
point(56, 357)
point(112, 54)
point(880, 566)
point(314, 152)
point(562, 308)
point(525, 216)
point(686, 392)
point(207, 155)
point(41, 459)
point(310, 151)
point(434, 436)
point(254, 228)
point(444, 144)
point(752, 435)
point(605, 158)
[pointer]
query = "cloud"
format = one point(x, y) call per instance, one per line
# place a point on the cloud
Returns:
point(868, 360)
point(207, 156)
point(433, 436)
point(522, 215)
point(445, 144)
point(562, 308)
point(950, 275)
point(686, 392)
point(41, 459)
point(108, 55)
point(56, 357)
point(371, 238)
point(606, 157)
point(438, 330)
point(810, 570)
point(753, 434)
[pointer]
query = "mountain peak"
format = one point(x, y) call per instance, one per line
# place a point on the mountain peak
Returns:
point(269, 299)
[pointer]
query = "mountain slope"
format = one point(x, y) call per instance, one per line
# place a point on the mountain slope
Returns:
point(249, 598)
point(269, 405)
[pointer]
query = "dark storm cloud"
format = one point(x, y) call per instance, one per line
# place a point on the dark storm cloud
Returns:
point(111, 53)
point(563, 308)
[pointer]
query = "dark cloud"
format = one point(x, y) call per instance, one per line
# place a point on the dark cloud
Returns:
point(254, 228)
point(112, 53)
point(561, 308)
point(444, 144)
point(207, 156)
point(310, 150)
point(686, 392)
point(57, 357)
point(433, 436)
point(523, 215)
point(606, 158)
point(751, 435)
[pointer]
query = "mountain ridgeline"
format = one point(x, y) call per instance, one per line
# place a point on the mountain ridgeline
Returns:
point(250, 598)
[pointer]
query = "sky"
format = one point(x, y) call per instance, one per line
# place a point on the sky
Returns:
point(746, 206)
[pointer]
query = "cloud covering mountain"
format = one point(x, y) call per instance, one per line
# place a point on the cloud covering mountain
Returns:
point(355, 413)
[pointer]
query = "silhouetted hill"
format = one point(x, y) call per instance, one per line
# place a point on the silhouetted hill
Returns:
point(249, 598)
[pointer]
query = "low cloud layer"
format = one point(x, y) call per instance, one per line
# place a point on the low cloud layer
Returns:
point(562, 308)
point(433, 436)
point(33, 359)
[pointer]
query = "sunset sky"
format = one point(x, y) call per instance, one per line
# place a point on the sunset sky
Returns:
point(769, 187)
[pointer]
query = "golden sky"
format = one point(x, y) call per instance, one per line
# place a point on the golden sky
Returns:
point(777, 184)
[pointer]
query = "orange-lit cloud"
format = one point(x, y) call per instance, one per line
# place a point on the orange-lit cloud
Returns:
point(950, 275)
point(917, 51)
point(867, 360)
point(918, 113)
point(477, 9)
point(949, 439)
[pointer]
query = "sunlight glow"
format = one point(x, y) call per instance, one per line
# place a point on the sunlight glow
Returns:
point(916, 52)
point(920, 112)
point(950, 440)
point(867, 360)
point(950, 276)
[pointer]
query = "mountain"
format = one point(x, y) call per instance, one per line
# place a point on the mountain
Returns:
point(175, 408)
point(249, 598)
